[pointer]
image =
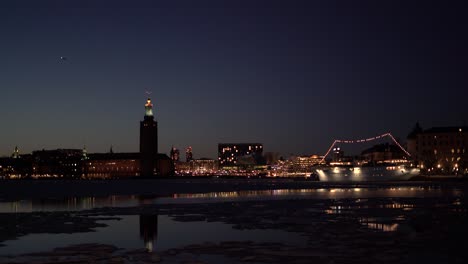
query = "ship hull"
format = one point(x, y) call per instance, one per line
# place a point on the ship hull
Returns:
point(370, 173)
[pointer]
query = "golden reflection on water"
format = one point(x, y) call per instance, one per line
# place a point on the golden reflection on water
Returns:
point(84, 203)
point(339, 209)
point(397, 206)
point(404, 191)
point(379, 226)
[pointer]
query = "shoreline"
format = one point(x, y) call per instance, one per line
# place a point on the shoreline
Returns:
point(39, 189)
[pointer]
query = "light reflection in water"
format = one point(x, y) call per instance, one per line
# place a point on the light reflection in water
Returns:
point(372, 223)
point(397, 206)
point(323, 192)
point(340, 209)
point(68, 204)
point(153, 232)
point(149, 230)
point(84, 203)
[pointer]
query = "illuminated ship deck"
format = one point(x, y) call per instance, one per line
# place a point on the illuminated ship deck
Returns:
point(377, 172)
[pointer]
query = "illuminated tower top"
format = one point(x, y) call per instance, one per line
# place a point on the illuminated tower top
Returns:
point(148, 108)
point(85, 154)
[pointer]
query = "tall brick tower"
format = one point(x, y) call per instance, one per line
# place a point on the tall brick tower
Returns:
point(148, 141)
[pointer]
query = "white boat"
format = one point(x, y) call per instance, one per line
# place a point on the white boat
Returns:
point(382, 171)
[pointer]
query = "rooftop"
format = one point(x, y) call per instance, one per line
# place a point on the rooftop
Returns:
point(446, 129)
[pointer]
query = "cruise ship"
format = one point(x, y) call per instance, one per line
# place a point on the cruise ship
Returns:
point(390, 170)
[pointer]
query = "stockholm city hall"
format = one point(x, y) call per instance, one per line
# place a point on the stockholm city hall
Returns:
point(146, 163)
point(148, 141)
point(78, 163)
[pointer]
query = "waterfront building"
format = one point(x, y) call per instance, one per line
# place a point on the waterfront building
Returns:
point(148, 141)
point(203, 166)
point(77, 163)
point(148, 162)
point(112, 165)
point(57, 163)
point(16, 168)
point(440, 149)
point(123, 165)
point(239, 154)
point(182, 168)
point(302, 163)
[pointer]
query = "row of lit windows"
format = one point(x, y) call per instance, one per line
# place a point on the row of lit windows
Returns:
point(107, 175)
point(443, 142)
point(451, 136)
point(438, 151)
point(112, 168)
point(226, 149)
point(108, 162)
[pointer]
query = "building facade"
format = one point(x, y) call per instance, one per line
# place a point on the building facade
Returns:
point(203, 166)
point(237, 154)
point(58, 163)
point(123, 165)
point(112, 165)
point(302, 163)
point(16, 168)
point(440, 149)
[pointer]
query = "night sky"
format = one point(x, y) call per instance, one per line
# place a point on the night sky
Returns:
point(292, 75)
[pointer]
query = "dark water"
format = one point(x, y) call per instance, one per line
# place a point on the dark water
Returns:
point(84, 203)
point(156, 233)
point(162, 232)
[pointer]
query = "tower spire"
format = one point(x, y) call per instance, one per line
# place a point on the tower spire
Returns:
point(148, 108)
point(15, 154)
point(85, 153)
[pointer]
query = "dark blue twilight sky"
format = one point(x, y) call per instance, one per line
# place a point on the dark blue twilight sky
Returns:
point(293, 75)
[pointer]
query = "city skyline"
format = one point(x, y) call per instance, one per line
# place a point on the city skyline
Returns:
point(371, 141)
point(233, 131)
point(292, 76)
